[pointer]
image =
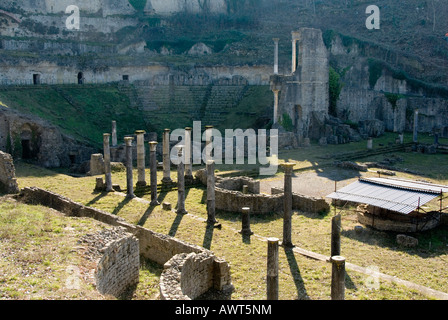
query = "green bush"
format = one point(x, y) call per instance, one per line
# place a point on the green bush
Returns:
point(335, 86)
point(286, 122)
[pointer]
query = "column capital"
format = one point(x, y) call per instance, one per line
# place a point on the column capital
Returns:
point(276, 39)
point(153, 145)
point(128, 140)
point(288, 166)
point(167, 130)
point(188, 128)
point(106, 135)
point(140, 132)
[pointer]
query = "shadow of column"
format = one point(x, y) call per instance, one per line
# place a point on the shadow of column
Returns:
point(208, 237)
point(175, 225)
point(295, 272)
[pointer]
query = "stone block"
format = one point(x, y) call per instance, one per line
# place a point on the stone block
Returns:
point(407, 241)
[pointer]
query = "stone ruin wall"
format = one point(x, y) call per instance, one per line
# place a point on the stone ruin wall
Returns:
point(117, 257)
point(8, 181)
point(154, 246)
point(187, 276)
point(384, 220)
point(229, 196)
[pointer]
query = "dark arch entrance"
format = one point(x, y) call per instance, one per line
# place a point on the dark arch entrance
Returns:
point(80, 78)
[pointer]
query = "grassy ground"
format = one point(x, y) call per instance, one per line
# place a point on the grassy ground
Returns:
point(300, 277)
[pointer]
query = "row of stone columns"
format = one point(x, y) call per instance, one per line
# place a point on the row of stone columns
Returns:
point(129, 166)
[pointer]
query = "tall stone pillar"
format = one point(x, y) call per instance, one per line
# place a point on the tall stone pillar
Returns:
point(166, 157)
point(294, 56)
point(272, 272)
point(275, 55)
point(129, 177)
point(415, 138)
point(338, 278)
point(208, 143)
point(287, 204)
point(211, 205)
point(141, 182)
point(107, 169)
point(275, 119)
point(336, 235)
point(153, 172)
point(114, 133)
point(188, 159)
point(180, 183)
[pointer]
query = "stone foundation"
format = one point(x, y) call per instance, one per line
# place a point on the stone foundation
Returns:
point(188, 276)
point(116, 253)
point(154, 246)
point(384, 220)
point(229, 197)
point(8, 181)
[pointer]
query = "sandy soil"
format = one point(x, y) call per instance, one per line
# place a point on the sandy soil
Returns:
point(319, 183)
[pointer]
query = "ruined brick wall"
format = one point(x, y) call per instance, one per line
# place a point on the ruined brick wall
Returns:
point(117, 257)
point(157, 247)
point(234, 201)
point(8, 181)
point(305, 203)
point(154, 246)
point(229, 197)
point(188, 276)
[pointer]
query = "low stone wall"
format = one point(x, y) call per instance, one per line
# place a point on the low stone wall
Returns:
point(188, 276)
point(237, 183)
point(305, 203)
point(396, 223)
point(229, 196)
point(8, 181)
point(117, 256)
point(234, 201)
point(157, 247)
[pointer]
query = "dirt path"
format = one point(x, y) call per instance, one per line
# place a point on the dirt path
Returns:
point(319, 183)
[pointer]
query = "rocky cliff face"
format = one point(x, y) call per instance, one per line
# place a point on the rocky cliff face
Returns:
point(31, 138)
point(374, 90)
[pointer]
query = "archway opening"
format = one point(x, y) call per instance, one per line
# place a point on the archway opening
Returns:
point(80, 78)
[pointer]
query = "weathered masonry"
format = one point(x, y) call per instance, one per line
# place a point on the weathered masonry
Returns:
point(213, 272)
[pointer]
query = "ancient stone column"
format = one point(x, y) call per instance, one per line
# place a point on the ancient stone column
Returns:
point(245, 220)
point(275, 55)
point(153, 172)
point(338, 278)
point(208, 142)
point(211, 205)
point(275, 117)
point(166, 157)
point(107, 169)
point(188, 160)
point(287, 204)
point(369, 144)
point(141, 182)
point(129, 178)
point(114, 133)
point(415, 138)
point(294, 56)
point(180, 183)
point(336, 236)
point(272, 272)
